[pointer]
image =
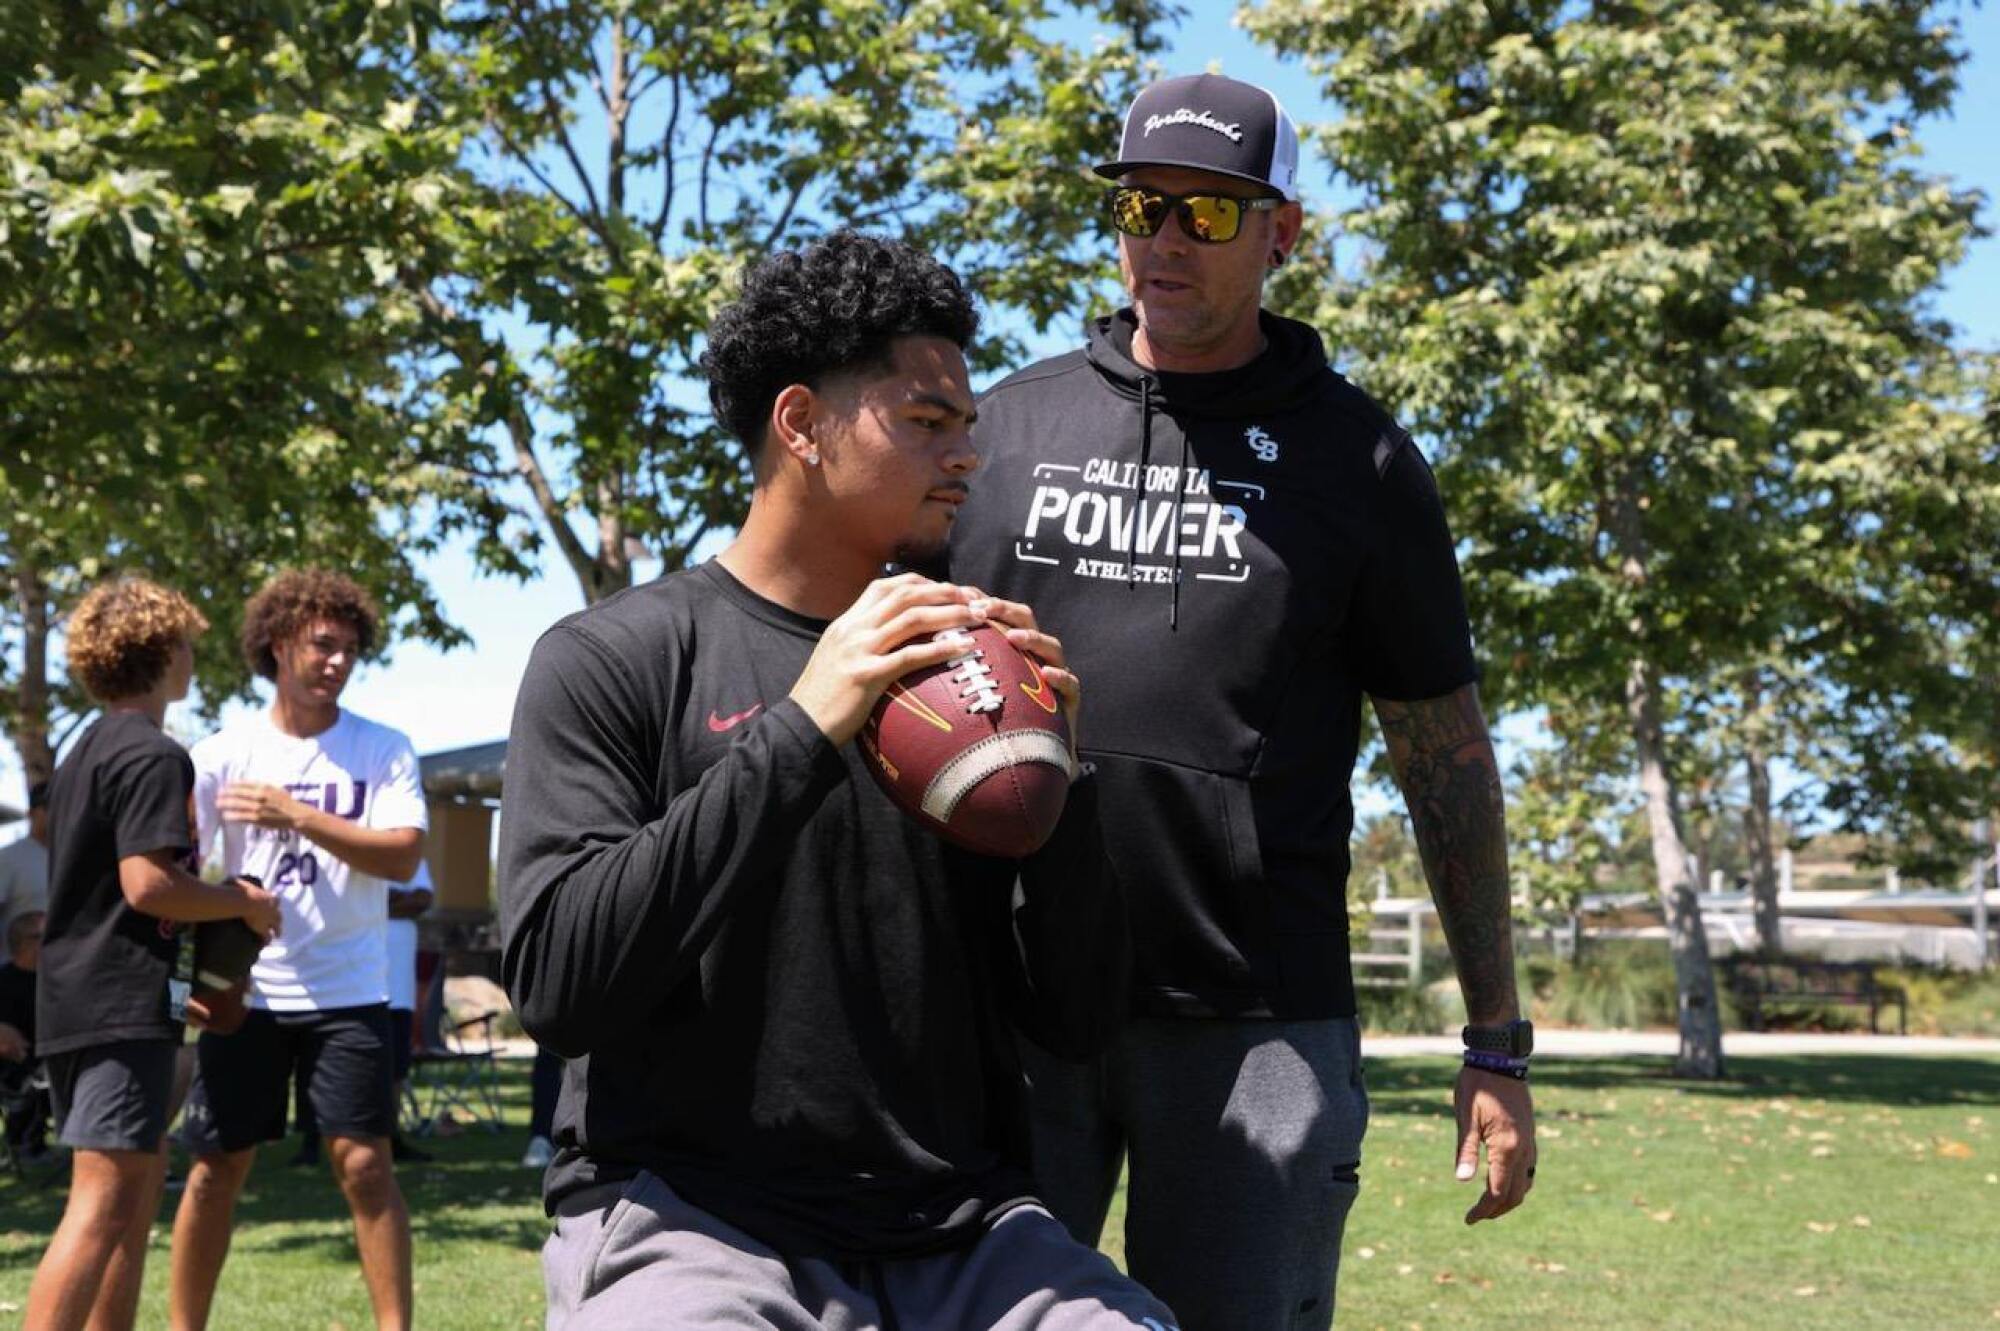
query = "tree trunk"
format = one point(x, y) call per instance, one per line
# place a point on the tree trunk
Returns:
point(29, 726)
point(1700, 1021)
point(1687, 940)
point(1763, 859)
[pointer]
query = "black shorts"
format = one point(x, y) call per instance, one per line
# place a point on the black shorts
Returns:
point(112, 1097)
point(401, 1023)
point(243, 1081)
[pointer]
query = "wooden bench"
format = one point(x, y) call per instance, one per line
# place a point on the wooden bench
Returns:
point(1758, 983)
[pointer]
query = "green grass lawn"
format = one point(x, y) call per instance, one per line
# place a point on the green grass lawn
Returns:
point(1834, 1191)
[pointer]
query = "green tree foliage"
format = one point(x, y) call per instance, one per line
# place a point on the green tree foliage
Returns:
point(631, 156)
point(205, 376)
point(1653, 275)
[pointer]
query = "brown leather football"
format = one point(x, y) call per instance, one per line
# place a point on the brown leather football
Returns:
point(977, 749)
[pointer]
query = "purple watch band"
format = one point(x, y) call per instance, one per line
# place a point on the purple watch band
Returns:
point(1503, 1064)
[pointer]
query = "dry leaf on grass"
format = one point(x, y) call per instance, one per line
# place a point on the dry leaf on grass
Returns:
point(1821, 1226)
point(1861, 1222)
point(1806, 1291)
point(1664, 1217)
point(1953, 1150)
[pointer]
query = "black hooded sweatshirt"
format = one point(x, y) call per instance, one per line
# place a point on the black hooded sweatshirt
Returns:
point(1291, 554)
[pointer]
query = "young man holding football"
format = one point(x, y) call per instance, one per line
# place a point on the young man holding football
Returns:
point(109, 1005)
point(791, 1098)
point(326, 807)
point(1237, 545)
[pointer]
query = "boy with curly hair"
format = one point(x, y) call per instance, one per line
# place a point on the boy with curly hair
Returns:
point(327, 808)
point(791, 1099)
point(109, 1009)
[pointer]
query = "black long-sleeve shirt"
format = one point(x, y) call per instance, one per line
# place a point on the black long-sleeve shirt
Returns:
point(776, 992)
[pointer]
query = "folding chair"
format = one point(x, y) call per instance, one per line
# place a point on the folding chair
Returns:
point(452, 1067)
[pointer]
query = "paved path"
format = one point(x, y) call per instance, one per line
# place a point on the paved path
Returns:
point(1748, 1044)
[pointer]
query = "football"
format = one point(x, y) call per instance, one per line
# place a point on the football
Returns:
point(976, 749)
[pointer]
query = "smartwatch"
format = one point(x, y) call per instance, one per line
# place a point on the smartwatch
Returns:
point(1515, 1039)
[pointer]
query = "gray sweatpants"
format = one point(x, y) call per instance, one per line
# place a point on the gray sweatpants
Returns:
point(1244, 1139)
point(638, 1255)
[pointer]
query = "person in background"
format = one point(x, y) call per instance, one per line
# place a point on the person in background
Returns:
point(27, 1134)
point(24, 863)
point(544, 1086)
point(109, 1008)
point(327, 808)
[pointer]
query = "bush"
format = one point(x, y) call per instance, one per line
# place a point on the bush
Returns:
point(1401, 1010)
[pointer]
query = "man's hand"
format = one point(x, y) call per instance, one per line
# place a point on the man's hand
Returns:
point(1498, 1111)
point(13, 1045)
point(1017, 621)
point(864, 651)
point(260, 910)
point(266, 806)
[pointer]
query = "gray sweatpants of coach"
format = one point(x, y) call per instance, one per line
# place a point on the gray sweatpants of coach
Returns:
point(1244, 1141)
point(639, 1255)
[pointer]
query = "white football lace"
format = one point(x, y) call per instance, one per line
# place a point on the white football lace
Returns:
point(972, 674)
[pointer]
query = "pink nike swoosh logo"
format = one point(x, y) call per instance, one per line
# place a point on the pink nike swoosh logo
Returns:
point(721, 723)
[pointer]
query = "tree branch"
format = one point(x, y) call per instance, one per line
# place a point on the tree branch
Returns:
point(659, 226)
point(590, 222)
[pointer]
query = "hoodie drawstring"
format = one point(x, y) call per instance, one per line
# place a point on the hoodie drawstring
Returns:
point(1174, 535)
point(1139, 479)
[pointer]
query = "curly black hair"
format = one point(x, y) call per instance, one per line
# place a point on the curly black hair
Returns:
point(834, 307)
point(293, 602)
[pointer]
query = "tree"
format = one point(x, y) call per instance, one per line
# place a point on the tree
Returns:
point(204, 376)
point(1640, 269)
point(631, 156)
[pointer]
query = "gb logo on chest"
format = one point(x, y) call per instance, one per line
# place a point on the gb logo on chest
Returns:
point(1263, 445)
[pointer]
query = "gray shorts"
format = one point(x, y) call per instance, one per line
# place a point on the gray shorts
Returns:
point(637, 1254)
point(1243, 1144)
point(112, 1097)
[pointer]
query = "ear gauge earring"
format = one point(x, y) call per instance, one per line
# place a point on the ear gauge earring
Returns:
point(1277, 258)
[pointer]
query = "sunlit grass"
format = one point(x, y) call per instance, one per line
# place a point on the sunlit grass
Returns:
point(1833, 1191)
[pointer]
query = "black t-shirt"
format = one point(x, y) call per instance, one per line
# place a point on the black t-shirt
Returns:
point(17, 1000)
point(1232, 561)
point(776, 991)
point(124, 790)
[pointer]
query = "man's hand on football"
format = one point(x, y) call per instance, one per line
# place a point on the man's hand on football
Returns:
point(1495, 1110)
point(1017, 621)
point(260, 910)
point(883, 636)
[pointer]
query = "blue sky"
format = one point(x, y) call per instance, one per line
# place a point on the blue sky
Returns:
point(443, 700)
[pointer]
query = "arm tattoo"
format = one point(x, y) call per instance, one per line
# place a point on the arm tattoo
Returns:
point(1444, 761)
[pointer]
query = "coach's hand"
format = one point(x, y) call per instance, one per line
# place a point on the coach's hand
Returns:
point(1498, 1111)
point(260, 910)
point(266, 806)
point(871, 646)
point(1017, 621)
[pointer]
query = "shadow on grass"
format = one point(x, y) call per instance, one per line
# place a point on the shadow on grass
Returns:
point(473, 1191)
point(1397, 1087)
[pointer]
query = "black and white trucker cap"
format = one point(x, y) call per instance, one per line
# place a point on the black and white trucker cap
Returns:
point(1210, 123)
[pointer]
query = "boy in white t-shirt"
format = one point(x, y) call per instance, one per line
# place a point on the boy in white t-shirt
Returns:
point(327, 809)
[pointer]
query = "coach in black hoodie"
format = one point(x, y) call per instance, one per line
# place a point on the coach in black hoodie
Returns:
point(1235, 545)
point(791, 1096)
